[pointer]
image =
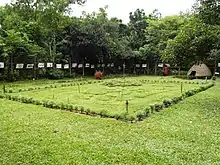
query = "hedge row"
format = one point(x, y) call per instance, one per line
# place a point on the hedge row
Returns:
point(51, 86)
point(67, 107)
point(173, 81)
point(140, 115)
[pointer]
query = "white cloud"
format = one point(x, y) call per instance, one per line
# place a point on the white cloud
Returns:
point(3, 2)
point(122, 8)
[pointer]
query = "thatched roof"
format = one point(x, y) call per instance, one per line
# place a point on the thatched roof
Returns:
point(201, 70)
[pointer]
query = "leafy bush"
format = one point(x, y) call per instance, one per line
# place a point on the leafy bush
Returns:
point(147, 111)
point(158, 107)
point(103, 113)
point(140, 115)
point(167, 103)
point(82, 109)
point(130, 118)
point(55, 74)
point(10, 91)
point(88, 111)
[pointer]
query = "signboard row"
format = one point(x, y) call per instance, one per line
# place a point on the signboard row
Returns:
point(67, 66)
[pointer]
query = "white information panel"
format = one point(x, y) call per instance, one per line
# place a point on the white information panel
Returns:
point(41, 65)
point(138, 65)
point(219, 65)
point(49, 65)
point(92, 66)
point(160, 65)
point(80, 66)
point(59, 66)
point(66, 66)
point(112, 65)
point(19, 66)
point(87, 65)
point(30, 66)
point(144, 65)
point(74, 65)
point(2, 65)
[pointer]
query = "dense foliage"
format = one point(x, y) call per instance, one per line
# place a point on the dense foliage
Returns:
point(39, 31)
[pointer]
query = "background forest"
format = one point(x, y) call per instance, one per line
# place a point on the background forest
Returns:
point(39, 31)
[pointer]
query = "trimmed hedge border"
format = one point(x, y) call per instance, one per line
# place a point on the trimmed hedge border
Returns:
point(68, 83)
point(53, 86)
point(140, 115)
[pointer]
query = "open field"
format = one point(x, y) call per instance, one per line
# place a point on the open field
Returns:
point(186, 133)
point(108, 95)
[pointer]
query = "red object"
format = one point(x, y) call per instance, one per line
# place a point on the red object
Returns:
point(98, 75)
point(166, 71)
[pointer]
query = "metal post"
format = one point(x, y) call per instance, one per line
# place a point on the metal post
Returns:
point(127, 106)
point(181, 88)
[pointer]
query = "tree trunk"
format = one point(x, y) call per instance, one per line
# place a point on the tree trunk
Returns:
point(155, 68)
point(148, 68)
point(35, 66)
point(83, 67)
point(179, 69)
point(70, 65)
point(54, 47)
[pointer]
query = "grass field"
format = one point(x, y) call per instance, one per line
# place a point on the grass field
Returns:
point(186, 133)
point(108, 95)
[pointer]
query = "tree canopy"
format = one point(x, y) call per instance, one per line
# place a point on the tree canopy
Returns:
point(42, 31)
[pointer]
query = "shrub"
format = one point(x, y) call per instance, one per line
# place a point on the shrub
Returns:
point(37, 102)
point(82, 109)
point(55, 74)
point(158, 107)
point(103, 113)
point(116, 116)
point(98, 75)
point(130, 118)
point(140, 115)
point(190, 93)
point(76, 108)
point(88, 111)
point(30, 89)
point(152, 108)
point(62, 106)
point(147, 111)
point(2, 96)
point(167, 103)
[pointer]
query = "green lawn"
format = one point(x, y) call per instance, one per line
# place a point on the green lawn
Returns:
point(186, 133)
point(104, 97)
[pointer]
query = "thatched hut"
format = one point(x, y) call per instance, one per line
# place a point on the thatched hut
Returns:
point(199, 70)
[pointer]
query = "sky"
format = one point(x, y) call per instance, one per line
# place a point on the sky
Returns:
point(122, 8)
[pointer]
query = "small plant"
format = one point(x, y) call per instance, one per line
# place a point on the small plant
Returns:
point(147, 111)
point(98, 75)
point(152, 108)
point(167, 103)
point(140, 115)
point(130, 118)
point(76, 108)
point(103, 113)
point(158, 107)
point(88, 111)
point(82, 109)
point(10, 91)
point(116, 116)
point(30, 89)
